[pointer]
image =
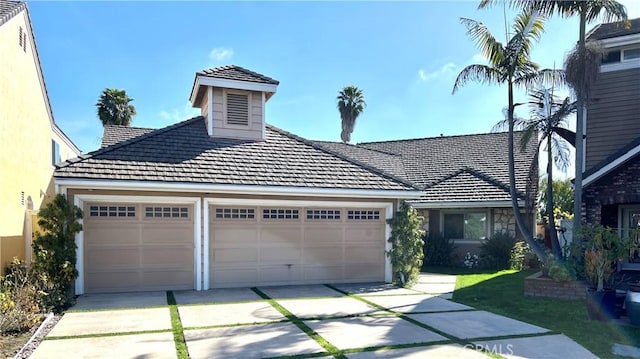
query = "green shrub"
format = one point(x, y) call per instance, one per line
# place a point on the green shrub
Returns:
point(55, 252)
point(518, 256)
point(495, 252)
point(406, 253)
point(20, 294)
point(438, 251)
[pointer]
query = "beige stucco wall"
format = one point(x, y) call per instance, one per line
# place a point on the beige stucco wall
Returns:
point(25, 136)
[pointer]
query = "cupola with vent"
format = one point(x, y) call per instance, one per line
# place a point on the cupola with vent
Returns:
point(232, 101)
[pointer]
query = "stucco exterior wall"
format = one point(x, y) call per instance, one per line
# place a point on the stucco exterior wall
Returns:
point(26, 132)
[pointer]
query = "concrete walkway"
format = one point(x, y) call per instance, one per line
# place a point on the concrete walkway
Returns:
point(356, 320)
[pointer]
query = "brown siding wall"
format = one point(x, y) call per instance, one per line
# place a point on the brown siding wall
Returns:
point(618, 187)
point(613, 116)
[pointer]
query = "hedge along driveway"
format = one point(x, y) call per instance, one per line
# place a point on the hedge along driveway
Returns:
point(338, 321)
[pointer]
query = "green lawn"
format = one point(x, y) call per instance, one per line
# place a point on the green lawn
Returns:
point(503, 293)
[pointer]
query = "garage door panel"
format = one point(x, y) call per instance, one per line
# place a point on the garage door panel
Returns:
point(364, 254)
point(280, 274)
point(138, 247)
point(120, 234)
point(234, 255)
point(112, 281)
point(165, 279)
point(284, 255)
point(234, 277)
point(322, 245)
point(105, 258)
point(167, 255)
point(280, 236)
point(320, 255)
point(364, 234)
point(314, 234)
point(233, 236)
point(166, 234)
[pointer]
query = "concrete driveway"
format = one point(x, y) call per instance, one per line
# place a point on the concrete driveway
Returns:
point(356, 321)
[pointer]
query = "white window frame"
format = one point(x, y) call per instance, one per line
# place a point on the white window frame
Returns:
point(226, 124)
point(623, 64)
point(487, 225)
point(196, 202)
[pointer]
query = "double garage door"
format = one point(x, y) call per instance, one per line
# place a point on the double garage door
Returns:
point(144, 247)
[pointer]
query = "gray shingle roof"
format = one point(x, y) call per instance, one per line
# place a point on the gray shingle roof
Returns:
point(387, 162)
point(185, 153)
point(614, 29)
point(115, 133)
point(234, 72)
point(9, 9)
point(476, 164)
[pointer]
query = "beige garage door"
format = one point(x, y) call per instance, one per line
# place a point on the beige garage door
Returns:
point(138, 247)
point(277, 245)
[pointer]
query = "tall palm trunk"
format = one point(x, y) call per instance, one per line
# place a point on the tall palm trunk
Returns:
point(555, 244)
point(580, 112)
point(526, 232)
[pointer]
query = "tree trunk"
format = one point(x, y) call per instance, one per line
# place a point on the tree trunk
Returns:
point(526, 232)
point(580, 111)
point(553, 234)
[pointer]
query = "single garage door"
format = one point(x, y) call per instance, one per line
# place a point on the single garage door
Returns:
point(138, 247)
point(295, 245)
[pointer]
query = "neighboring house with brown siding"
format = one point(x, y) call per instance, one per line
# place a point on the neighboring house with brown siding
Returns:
point(226, 200)
point(30, 141)
point(611, 193)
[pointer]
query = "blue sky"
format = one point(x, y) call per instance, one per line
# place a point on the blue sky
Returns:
point(404, 55)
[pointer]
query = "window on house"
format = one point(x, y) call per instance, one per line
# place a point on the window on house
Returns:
point(166, 212)
point(467, 226)
point(238, 109)
point(112, 211)
point(611, 57)
point(323, 214)
point(280, 213)
point(630, 54)
point(630, 228)
point(55, 153)
point(235, 213)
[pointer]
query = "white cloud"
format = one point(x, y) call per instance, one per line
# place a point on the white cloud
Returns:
point(179, 114)
point(445, 70)
point(477, 58)
point(221, 54)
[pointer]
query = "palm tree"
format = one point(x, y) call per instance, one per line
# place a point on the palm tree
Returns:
point(114, 108)
point(509, 64)
point(549, 121)
point(350, 104)
point(588, 10)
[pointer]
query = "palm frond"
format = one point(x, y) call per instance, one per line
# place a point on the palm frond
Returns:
point(476, 72)
point(610, 10)
point(489, 46)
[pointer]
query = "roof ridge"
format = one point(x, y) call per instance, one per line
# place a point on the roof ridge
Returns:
point(212, 70)
point(137, 128)
point(478, 174)
point(437, 137)
point(19, 7)
point(363, 148)
point(372, 169)
point(118, 145)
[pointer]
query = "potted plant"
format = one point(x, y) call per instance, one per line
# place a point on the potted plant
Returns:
point(603, 248)
point(632, 303)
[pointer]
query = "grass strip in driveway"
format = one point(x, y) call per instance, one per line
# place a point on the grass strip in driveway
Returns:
point(330, 348)
point(98, 335)
point(413, 321)
point(176, 326)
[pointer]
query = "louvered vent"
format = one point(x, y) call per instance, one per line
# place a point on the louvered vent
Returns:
point(237, 109)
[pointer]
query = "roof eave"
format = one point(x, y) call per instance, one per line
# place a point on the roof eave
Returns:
point(63, 182)
point(202, 80)
point(463, 204)
point(612, 165)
